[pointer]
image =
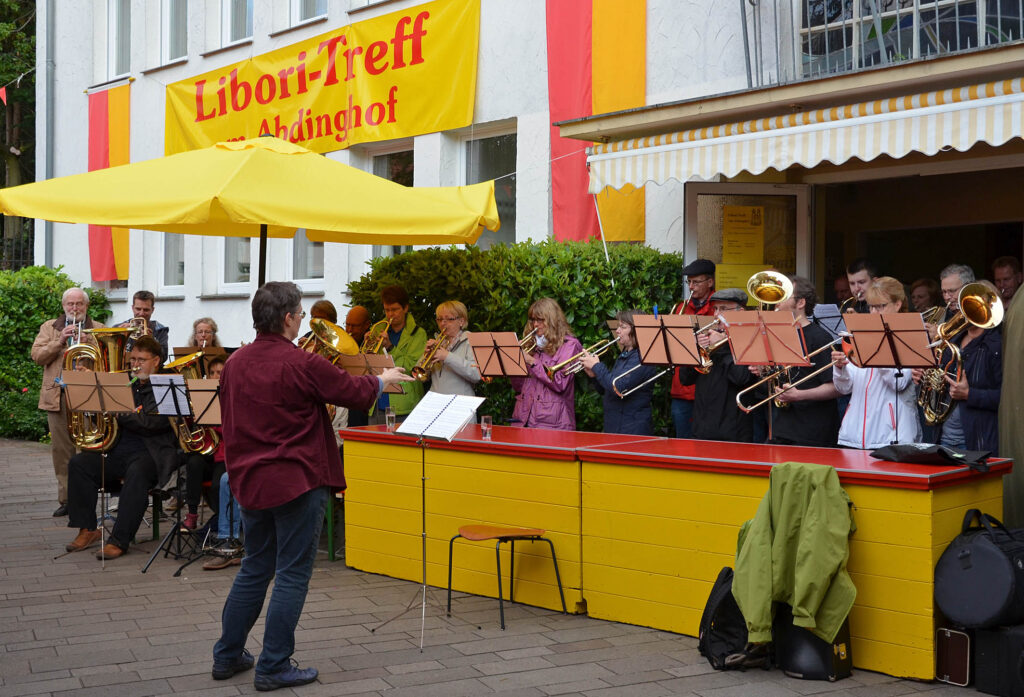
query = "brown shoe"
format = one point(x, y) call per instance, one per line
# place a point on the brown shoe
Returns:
point(111, 551)
point(86, 538)
point(221, 563)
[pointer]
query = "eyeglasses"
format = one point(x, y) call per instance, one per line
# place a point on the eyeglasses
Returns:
point(300, 313)
point(135, 359)
point(447, 319)
point(536, 319)
point(696, 282)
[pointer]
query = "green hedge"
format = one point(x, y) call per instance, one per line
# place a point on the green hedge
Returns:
point(499, 285)
point(29, 297)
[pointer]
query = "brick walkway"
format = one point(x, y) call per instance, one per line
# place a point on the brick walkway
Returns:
point(69, 628)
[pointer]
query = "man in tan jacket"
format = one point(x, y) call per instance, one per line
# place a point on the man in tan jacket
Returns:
point(54, 337)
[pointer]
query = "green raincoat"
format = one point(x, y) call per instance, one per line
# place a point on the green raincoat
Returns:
point(795, 551)
point(1011, 412)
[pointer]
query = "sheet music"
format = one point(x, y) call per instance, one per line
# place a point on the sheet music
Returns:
point(440, 415)
point(829, 319)
point(170, 395)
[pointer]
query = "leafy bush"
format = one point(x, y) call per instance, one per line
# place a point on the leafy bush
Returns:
point(29, 297)
point(499, 285)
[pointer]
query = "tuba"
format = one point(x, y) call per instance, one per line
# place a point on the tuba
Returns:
point(90, 431)
point(373, 342)
point(981, 306)
point(426, 363)
point(192, 437)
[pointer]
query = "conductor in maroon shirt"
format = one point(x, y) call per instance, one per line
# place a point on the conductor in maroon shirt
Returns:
point(281, 462)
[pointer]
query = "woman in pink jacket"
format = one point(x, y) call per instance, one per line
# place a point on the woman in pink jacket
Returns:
point(543, 402)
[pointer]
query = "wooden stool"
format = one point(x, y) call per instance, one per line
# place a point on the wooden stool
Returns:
point(477, 533)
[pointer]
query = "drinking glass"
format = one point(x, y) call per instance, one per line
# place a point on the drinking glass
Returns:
point(389, 419)
point(485, 426)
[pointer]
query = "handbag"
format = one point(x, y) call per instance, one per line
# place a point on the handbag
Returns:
point(979, 579)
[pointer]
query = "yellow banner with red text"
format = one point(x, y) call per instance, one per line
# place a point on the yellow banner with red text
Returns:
point(394, 76)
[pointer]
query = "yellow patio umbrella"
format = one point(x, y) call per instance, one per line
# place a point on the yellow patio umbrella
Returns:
point(260, 188)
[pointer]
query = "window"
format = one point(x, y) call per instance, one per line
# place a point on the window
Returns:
point(495, 158)
point(173, 30)
point(307, 9)
point(396, 167)
point(119, 37)
point(307, 257)
point(236, 20)
point(842, 35)
point(174, 260)
point(237, 259)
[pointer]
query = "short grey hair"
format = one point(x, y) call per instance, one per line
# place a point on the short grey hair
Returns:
point(72, 289)
point(965, 272)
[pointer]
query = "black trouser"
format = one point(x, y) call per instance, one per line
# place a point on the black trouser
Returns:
point(198, 469)
point(134, 466)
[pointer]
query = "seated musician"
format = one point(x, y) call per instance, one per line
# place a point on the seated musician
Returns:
point(715, 414)
point(883, 401)
point(204, 333)
point(542, 401)
point(145, 453)
point(454, 369)
point(632, 413)
point(812, 414)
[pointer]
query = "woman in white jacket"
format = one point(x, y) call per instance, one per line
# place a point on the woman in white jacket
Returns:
point(881, 399)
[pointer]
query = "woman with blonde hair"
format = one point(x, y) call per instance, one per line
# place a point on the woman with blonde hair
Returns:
point(883, 401)
point(455, 370)
point(542, 401)
point(204, 333)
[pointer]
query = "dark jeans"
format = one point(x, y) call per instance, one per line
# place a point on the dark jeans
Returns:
point(132, 464)
point(682, 417)
point(282, 541)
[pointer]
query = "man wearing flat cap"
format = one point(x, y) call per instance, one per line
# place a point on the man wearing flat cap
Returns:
point(700, 277)
point(715, 416)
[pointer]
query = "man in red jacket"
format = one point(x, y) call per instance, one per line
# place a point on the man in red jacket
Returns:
point(700, 277)
point(281, 461)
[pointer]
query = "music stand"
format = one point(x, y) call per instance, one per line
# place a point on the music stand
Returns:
point(172, 401)
point(829, 318)
point(104, 394)
point(369, 364)
point(498, 354)
point(662, 340)
point(891, 340)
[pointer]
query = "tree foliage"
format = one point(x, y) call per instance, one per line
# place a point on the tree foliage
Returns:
point(499, 285)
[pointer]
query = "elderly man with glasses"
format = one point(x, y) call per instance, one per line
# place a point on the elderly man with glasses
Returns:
point(700, 277)
point(282, 462)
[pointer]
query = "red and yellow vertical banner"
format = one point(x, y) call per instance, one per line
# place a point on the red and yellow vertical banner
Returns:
point(109, 122)
point(597, 54)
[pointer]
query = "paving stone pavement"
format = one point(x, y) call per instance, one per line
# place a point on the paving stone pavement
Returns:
point(68, 627)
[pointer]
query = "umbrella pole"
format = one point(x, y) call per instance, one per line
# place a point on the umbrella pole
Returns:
point(263, 255)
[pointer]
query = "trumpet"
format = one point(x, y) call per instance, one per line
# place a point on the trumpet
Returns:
point(853, 299)
point(529, 342)
point(706, 363)
point(426, 363)
point(574, 364)
point(780, 376)
point(373, 342)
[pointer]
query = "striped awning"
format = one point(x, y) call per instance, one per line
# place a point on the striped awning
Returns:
point(926, 123)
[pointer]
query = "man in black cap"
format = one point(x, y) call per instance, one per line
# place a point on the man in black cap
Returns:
point(715, 415)
point(700, 277)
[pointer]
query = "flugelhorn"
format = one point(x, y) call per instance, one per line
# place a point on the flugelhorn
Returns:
point(574, 364)
point(426, 363)
point(529, 342)
point(373, 341)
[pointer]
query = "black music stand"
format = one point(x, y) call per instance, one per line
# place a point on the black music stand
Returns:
point(891, 340)
point(172, 401)
point(498, 354)
point(103, 394)
point(663, 340)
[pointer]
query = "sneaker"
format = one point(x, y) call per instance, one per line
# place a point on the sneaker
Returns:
point(292, 676)
point(191, 521)
point(223, 671)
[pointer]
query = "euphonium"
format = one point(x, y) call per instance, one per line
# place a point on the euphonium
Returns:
point(373, 342)
point(980, 305)
point(89, 431)
point(192, 437)
point(328, 340)
point(426, 363)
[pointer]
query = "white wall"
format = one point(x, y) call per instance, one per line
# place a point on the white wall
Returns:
point(694, 48)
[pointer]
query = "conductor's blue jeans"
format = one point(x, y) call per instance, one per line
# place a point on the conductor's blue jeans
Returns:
point(279, 541)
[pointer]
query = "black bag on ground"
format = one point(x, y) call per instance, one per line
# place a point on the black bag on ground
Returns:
point(979, 579)
point(999, 661)
point(723, 631)
point(801, 654)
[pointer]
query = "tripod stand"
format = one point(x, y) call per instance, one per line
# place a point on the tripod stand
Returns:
point(179, 541)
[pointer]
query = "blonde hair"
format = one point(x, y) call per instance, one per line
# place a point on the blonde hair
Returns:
point(456, 308)
point(213, 325)
point(886, 289)
point(557, 327)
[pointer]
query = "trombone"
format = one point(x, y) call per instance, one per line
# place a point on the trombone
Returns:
point(778, 374)
point(704, 367)
point(574, 364)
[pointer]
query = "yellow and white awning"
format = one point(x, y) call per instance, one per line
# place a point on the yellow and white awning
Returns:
point(926, 123)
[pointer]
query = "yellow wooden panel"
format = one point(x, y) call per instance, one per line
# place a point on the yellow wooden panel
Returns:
point(892, 659)
point(883, 499)
point(893, 561)
point(670, 561)
point(385, 495)
point(893, 527)
point(900, 628)
point(504, 485)
point(643, 612)
point(673, 479)
point(970, 493)
point(385, 471)
point(670, 591)
point(683, 534)
point(480, 509)
point(567, 469)
point(379, 451)
point(669, 503)
point(886, 593)
point(381, 517)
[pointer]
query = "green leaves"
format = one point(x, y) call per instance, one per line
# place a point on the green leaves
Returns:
point(498, 286)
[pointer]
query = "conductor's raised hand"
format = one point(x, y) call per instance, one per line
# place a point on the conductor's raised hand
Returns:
point(395, 375)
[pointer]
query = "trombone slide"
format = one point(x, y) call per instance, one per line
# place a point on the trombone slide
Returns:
point(776, 374)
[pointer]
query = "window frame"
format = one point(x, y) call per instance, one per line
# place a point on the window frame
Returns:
point(226, 23)
point(372, 152)
point(307, 284)
point(295, 17)
point(166, 17)
point(172, 288)
point(478, 133)
point(225, 287)
point(117, 26)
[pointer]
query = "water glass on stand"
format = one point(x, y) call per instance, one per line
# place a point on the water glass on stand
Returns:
point(485, 426)
point(389, 419)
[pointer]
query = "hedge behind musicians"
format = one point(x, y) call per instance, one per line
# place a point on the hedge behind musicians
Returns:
point(281, 462)
point(145, 454)
point(405, 342)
